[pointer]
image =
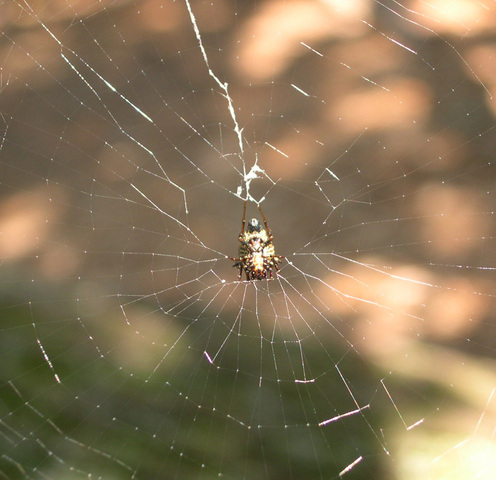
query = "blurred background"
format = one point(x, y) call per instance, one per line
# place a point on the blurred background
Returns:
point(132, 132)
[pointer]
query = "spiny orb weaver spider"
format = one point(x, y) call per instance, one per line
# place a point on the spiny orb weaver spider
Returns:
point(256, 251)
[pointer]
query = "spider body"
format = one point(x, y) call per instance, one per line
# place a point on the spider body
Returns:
point(256, 251)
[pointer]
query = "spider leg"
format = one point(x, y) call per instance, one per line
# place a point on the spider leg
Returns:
point(238, 263)
point(243, 222)
point(276, 261)
point(269, 235)
point(265, 223)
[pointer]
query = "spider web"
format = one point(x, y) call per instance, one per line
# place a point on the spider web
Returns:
point(132, 133)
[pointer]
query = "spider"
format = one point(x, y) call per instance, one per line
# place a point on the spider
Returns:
point(256, 251)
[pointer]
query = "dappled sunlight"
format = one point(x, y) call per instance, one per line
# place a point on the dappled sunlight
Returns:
point(395, 104)
point(452, 220)
point(271, 40)
point(26, 221)
point(461, 17)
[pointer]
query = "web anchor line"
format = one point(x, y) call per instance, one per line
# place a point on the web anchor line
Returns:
point(224, 86)
point(255, 169)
